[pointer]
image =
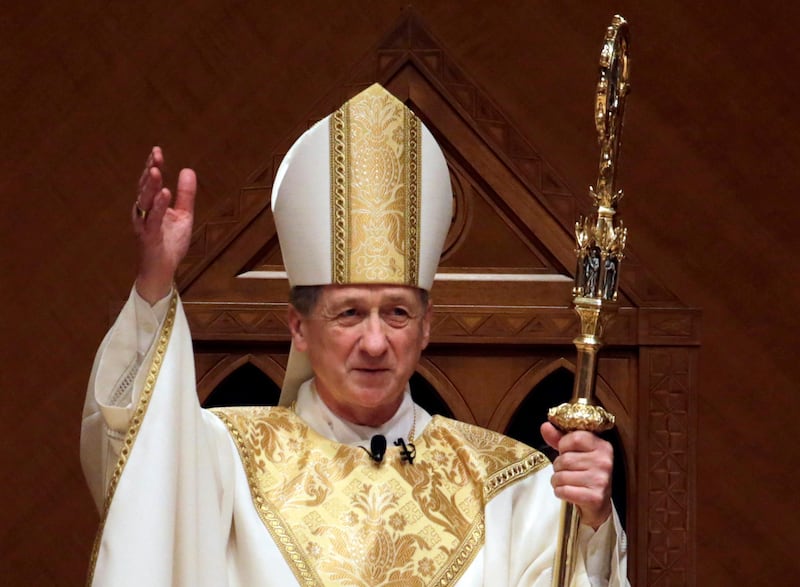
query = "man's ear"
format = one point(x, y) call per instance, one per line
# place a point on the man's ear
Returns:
point(297, 328)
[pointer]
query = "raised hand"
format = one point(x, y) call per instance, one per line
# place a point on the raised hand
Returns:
point(582, 472)
point(163, 232)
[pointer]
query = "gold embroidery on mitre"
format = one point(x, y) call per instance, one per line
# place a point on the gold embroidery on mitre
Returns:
point(375, 146)
point(340, 519)
point(339, 194)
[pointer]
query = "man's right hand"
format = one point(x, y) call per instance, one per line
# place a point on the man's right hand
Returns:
point(163, 232)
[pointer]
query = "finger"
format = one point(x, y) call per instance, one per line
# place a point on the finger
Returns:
point(581, 441)
point(581, 488)
point(585, 461)
point(156, 214)
point(570, 461)
point(591, 493)
point(136, 218)
point(597, 479)
point(150, 181)
point(154, 159)
point(551, 435)
point(187, 189)
point(152, 185)
point(584, 450)
point(156, 156)
point(588, 499)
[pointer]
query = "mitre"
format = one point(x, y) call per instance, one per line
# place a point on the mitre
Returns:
point(362, 197)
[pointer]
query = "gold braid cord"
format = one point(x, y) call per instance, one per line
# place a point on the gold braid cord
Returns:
point(135, 425)
point(599, 250)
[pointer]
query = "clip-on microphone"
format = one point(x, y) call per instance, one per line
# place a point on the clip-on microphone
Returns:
point(377, 445)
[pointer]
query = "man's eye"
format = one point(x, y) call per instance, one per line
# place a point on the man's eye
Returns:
point(398, 316)
point(349, 317)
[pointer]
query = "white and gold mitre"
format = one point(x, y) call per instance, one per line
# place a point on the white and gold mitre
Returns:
point(363, 196)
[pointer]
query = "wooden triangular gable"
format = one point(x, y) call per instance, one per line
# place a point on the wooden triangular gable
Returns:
point(513, 215)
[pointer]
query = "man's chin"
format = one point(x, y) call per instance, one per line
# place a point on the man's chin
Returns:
point(375, 396)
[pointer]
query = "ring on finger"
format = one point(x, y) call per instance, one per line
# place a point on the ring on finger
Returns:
point(140, 212)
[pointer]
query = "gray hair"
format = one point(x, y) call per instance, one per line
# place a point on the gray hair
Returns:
point(304, 298)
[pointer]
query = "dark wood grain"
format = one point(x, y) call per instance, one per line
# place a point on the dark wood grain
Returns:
point(708, 166)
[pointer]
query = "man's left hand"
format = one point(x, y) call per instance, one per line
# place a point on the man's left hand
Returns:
point(582, 472)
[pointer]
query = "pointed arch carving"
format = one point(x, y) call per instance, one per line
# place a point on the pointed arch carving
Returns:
point(230, 363)
point(514, 397)
point(446, 390)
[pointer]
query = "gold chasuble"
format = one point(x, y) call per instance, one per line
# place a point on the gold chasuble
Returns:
point(340, 518)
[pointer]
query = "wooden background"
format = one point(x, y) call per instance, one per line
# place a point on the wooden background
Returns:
point(709, 168)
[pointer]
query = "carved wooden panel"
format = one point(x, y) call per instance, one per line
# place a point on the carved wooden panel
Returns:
point(667, 480)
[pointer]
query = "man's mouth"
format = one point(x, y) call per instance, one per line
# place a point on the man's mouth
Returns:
point(371, 369)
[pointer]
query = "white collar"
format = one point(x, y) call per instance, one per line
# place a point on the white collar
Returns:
point(322, 420)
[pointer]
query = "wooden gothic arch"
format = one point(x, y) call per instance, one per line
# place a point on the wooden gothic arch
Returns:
point(498, 333)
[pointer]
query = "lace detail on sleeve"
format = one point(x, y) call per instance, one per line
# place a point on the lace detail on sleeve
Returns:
point(121, 396)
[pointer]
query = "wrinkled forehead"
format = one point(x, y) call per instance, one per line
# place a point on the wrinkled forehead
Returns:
point(371, 294)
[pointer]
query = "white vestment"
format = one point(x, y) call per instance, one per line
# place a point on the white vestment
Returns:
point(177, 508)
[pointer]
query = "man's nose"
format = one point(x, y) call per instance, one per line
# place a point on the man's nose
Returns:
point(373, 340)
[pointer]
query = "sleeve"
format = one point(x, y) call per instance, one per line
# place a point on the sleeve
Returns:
point(532, 513)
point(110, 397)
point(158, 464)
point(604, 551)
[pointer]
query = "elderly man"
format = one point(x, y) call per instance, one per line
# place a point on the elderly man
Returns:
point(307, 493)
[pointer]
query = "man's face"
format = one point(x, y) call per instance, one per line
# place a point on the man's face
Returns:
point(364, 342)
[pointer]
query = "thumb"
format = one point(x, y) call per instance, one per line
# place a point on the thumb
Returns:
point(187, 188)
point(551, 435)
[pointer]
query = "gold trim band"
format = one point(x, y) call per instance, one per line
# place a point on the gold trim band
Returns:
point(136, 423)
point(414, 175)
point(340, 192)
point(282, 535)
point(375, 157)
point(532, 463)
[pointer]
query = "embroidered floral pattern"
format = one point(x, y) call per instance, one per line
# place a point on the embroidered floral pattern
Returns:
point(376, 153)
point(340, 519)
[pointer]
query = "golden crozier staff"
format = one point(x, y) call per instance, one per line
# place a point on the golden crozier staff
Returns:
point(600, 247)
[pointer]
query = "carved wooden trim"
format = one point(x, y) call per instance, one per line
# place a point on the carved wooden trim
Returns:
point(446, 390)
point(520, 325)
point(229, 321)
point(451, 324)
point(462, 213)
point(667, 466)
point(230, 363)
point(511, 401)
point(209, 239)
point(669, 326)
